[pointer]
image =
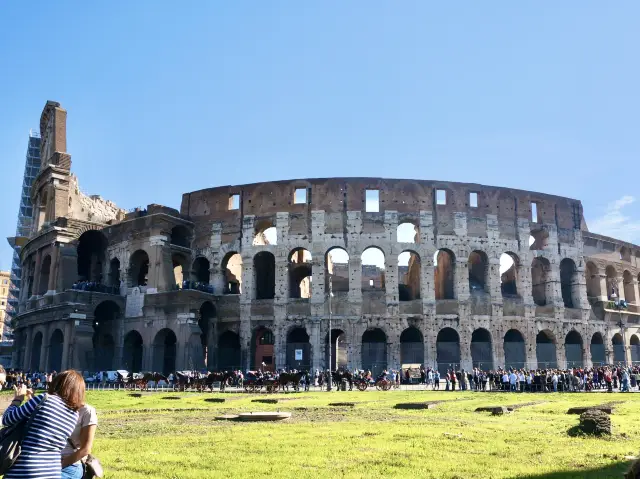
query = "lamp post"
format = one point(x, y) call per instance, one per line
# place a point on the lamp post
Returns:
point(329, 380)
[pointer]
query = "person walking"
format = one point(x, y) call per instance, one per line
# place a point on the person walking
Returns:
point(52, 424)
point(80, 443)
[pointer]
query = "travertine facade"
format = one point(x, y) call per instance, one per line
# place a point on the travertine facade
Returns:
point(458, 300)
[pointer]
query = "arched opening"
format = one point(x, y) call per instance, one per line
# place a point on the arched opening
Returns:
point(114, 273)
point(593, 280)
point(569, 283)
point(92, 247)
point(105, 315)
point(298, 350)
point(133, 351)
point(618, 348)
point(139, 268)
point(612, 281)
point(229, 352)
point(373, 269)
point(180, 236)
point(509, 263)
point(444, 263)
point(55, 351)
point(408, 276)
point(515, 355)
point(374, 351)
point(200, 270)
point(205, 322)
point(36, 350)
point(629, 289)
point(447, 350)
point(598, 355)
point(300, 274)
point(232, 267)
point(411, 347)
point(263, 350)
point(407, 233)
point(478, 265)
point(165, 351)
point(336, 270)
point(45, 271)
point(538, 240)
point(264, 270)
point(635, 349)
point(339, 358)
point(546, 350)
point(266, 234)
point(573, 349)
point(180, 265)
point(540, 279)
point(481, 350)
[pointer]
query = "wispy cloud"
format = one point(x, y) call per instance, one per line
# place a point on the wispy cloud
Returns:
point(615, 223)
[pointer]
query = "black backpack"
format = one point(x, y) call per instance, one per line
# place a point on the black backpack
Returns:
point(11, 438)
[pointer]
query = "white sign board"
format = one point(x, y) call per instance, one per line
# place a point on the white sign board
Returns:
point(135, 301)
point(298, 354)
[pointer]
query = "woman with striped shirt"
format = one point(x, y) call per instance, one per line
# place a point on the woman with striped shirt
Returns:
point(53, 424)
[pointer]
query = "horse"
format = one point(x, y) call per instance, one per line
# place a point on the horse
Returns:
point(141, 380)
point(339, 375)
point(285, 378)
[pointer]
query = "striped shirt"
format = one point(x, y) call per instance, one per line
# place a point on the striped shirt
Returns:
point(40, 457)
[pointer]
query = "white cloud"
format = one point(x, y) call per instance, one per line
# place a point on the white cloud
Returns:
point(615, 223)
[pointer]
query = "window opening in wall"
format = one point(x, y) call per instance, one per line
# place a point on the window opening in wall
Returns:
point(508, 274)
point(534, 212)
point(441, 197)
point(372, 201)
point(408, 276)
point(407, 233)
point(300, 196)
point(473, 200)
point(337, 270)
point(371, 282)
point(373, 269)
point(234, 202)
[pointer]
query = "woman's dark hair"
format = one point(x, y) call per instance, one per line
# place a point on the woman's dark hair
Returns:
point(69, 386)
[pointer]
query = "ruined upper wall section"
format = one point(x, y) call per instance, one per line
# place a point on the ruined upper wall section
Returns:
point(610, 250)
point(91, 208)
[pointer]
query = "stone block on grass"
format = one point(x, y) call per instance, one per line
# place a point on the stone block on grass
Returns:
point(596, 422)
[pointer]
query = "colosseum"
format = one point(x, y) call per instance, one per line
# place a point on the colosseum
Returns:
point(408, 272)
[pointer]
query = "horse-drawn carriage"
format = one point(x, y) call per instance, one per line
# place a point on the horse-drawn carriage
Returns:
point(254, 384)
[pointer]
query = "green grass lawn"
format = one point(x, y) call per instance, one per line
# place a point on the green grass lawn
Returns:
point(155, 437)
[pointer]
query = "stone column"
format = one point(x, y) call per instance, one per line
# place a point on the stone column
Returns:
point(427, 278)
point(27, 350)
point(636, 291)
point(621, 288)
point(66, 342)
point(561, 358)
point(36, 274)
point(586, 354)
point(391, 282)
point(315, 340)
point(554, 287)
point(466, 361)
point(393, 351)
point(355, 347)
point(497, 345)
point(495, 283)
point(53, 271)
point(245, 334)
point(604, 291)
point(218, 279)
point(355, 278)
point(462, 279)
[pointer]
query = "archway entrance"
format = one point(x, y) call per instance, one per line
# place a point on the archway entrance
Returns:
point(132, 354)
point(205, 322)
point(573, 349)
point(447, 350)
point(36, 350)
point(411, 347)
point(374, 351)
point(338, 349)
point(546, 350)
point(598, 355)
point(635, 349)
point(481, 350)
point(164, 351)
point(55, 351)
point(618, 349)
point(263, 350)
point(104, 347)
point(515, 355)
point(229, 352)
point(92, 246)
point(298, 350)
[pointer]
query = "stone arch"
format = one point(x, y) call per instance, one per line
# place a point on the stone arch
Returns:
point(374, 350)
point(447, 350)
point(336, 270)
point(408, 232)
point(264, 270)
point(298, 349)
point(569, 283)
point(629, 289)
point(91, 249)
point(266, 233)
point(598, 354)
point(114, 273)
point(339, 345)
point(45, 271)
point(509, 264)
point(180, 236)
point(618, 348)
point(409, 272)
point(36, 350)
point(139, 268)
point(411, 347)
point(200, 270)
point(133, 351)
point(444, 263)
point(546, 350)
point(515, 354)
point(481, 349)
point(165, 351)
point(634, 343)
point(300, 273)
point(573, 349)
point(232, 267)
point(229, 351)
point(373, 269)
point(478, 266)
point(541, 285)
point(592, 276)
point(612, 281)
point(180, 263)
point(263, 350)
point(106, 315)
point(55, 350)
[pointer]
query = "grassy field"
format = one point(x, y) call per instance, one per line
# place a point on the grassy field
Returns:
point(161, 438)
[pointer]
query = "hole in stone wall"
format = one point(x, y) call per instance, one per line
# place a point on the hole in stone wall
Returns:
point(509, 274)
point(444, 267)
point(337, 270)
point(372, 201)
point(408, 276)
point(407, 233)
point(232, 267)
point(373, 269)
point(300, 273)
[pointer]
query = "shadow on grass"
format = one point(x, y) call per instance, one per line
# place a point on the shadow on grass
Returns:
point(611, 471)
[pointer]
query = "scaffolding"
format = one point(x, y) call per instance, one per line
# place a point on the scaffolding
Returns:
point(24, 224)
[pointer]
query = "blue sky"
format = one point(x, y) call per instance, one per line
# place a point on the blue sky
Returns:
point(165, 98)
